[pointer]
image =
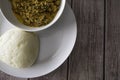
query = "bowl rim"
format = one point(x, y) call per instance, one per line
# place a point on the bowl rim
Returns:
point(35, 29)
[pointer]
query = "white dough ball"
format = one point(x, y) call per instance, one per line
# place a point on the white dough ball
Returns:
point(18, 48)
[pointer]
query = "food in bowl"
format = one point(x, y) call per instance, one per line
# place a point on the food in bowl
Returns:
point(18, 48)
point(35, 13)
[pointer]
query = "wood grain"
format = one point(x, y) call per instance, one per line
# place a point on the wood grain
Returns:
point(112, 46)
point(86, 61)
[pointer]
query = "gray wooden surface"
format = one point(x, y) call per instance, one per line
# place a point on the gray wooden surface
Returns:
point(96, 54)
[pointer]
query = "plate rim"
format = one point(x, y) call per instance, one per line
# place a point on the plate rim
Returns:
point(66, 57)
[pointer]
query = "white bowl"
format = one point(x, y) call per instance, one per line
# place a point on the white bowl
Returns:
point(6, 9)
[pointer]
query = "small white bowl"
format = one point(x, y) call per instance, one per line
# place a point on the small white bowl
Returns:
point(6, 9)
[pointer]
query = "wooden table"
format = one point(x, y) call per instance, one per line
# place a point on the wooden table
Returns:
point(96, 54)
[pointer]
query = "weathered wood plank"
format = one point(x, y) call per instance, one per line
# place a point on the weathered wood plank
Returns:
point(86, 61)
point(69, 1)
point(4, 76)
point(112, 46)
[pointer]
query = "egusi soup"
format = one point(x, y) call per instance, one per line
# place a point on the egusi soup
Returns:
point(35, 13)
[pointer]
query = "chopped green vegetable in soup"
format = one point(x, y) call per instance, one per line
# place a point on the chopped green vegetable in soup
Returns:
point(35, 13)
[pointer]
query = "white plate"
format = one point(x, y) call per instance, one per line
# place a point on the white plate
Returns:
point(56, 44)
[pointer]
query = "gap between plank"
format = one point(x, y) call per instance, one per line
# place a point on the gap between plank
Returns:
point(104, 41)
